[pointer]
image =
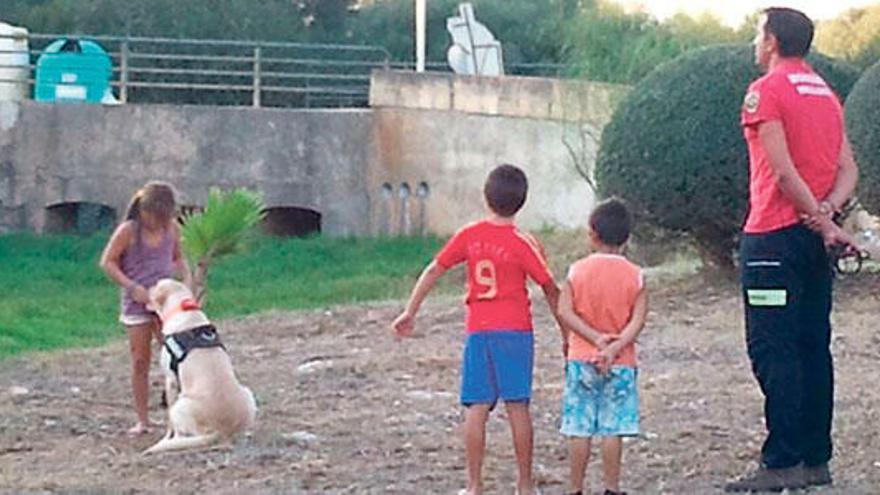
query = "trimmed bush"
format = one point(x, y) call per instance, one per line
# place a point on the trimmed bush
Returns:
point(863, 127)
point(675, 150)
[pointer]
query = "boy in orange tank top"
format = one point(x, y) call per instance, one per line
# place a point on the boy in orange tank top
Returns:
point(604, 305)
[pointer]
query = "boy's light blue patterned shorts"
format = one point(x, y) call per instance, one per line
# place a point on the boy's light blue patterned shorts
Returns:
point(599, 405)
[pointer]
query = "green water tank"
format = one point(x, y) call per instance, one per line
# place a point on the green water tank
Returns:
point(71, 70)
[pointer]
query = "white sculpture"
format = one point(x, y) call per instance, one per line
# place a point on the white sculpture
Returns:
point(474, 49)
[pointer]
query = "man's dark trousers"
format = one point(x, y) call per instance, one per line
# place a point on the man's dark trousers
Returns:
point(787, 282)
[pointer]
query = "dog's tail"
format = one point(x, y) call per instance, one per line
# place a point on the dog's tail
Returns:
point(183, 443)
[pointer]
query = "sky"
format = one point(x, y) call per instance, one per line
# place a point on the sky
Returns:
point(732, 12)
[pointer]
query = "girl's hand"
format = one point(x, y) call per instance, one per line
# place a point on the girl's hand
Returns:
point(140, 294)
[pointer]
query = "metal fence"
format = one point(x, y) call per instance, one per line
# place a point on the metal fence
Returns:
point(259, 74)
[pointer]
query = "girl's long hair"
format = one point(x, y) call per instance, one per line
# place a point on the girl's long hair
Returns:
point(156, 198)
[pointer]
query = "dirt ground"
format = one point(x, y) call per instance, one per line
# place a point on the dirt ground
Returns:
point(346, 409)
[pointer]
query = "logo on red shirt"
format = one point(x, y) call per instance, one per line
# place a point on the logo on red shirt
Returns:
point(750, 104)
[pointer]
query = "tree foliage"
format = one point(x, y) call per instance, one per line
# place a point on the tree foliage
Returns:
point(528, 30)
point(271, 20)
point(599, 40)
point(853, 36)
point(596, 38)
point(604, 43)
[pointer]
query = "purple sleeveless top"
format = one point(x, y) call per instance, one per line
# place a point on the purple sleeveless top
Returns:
point(146, 265)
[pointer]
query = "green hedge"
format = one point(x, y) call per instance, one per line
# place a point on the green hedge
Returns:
point(863, 126)
point(675, 150)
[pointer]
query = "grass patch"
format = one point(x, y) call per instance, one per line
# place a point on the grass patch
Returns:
point(54, 295)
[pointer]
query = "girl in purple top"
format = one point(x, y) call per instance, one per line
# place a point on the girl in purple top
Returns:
point(142, 250)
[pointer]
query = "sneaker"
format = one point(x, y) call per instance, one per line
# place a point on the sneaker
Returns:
point(817, 475)
point(609, 492)
point(769, 480)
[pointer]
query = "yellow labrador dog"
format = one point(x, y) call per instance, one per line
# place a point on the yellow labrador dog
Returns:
point(206, 402)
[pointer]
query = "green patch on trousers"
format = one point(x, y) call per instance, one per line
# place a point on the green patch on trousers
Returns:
point(767, 297)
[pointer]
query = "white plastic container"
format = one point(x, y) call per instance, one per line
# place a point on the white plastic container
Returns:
point(14, 63)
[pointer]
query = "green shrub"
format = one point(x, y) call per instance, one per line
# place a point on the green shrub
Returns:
point(863, 127)
point(675, 150)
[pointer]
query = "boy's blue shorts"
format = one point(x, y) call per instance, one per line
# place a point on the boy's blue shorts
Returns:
point(497, 365)
point(600, 405)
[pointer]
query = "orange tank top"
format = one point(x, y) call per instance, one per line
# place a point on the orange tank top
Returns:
point(604, 291)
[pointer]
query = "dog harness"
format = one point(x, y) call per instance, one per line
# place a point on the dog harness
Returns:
point(180, 344)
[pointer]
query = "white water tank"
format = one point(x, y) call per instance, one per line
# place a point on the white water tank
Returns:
point(14, 63)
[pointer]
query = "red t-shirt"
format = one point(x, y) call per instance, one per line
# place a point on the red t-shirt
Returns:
point(813, 121)
point(498, 259)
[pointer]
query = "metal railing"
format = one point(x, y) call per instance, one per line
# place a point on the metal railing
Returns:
point(260, 74)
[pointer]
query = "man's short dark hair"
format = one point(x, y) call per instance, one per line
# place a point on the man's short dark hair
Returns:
point(506, 189)
point(792, 29)
point(611, 222)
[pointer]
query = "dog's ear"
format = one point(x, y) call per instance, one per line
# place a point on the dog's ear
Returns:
point(158, 294)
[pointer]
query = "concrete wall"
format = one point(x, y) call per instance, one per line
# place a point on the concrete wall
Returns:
point(440, 130)
point(524, 97)
point(51, 154)
point(450, 131)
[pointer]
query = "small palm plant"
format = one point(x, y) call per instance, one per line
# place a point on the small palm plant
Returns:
point(223, 228)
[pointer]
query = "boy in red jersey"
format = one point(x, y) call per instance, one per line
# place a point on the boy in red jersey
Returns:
point(498, 354)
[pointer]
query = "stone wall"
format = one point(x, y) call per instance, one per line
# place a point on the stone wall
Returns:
point(450, 131)
point(413, 163)
point(53, 154)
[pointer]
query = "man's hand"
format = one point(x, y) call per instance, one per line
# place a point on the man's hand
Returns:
point(404, 324)
point(824, 214)
point(833, 235)
point(839, 237)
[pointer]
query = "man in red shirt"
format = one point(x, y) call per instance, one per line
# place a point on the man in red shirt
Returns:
point(801, 172)
point(498, 355)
